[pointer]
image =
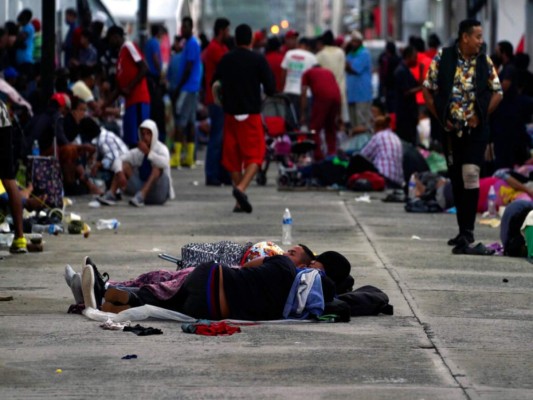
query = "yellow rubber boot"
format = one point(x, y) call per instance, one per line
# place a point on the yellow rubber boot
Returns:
point(175, 159)
point(188, 161)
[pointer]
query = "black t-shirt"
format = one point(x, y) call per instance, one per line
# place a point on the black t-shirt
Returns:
point(242, 72)
point(259, 293)
point(404, 81)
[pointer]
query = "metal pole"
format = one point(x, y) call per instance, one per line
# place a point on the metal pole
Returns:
point(48, 49)
point(143, 22)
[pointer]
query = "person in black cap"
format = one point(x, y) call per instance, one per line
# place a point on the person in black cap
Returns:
point(337, 268)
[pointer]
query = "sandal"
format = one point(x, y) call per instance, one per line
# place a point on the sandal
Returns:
point(477, 250)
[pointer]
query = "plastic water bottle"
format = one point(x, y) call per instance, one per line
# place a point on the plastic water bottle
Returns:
point(107, 224)
point(35, 151)
point(411, 187)
point(286, 228)
point(491, 202)
point(52, 229)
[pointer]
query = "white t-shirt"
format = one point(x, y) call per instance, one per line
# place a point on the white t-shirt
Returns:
point(296, 62)
point(81, 90)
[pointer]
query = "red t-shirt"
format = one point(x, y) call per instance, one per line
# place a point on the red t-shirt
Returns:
point(322, 83)
point(127, 69)
point(423, 60)
point(274, 59)
point(211, 57)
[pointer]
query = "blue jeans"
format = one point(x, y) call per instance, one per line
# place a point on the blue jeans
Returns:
point(214, 172)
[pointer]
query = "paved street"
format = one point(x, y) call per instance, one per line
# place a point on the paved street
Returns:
point(459, 331)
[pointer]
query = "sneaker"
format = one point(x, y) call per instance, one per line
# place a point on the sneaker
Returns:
point(107, 199)
point(137, 200)
point(76, 287)
point(99, 281)
point(69, 274)
point(459, 239)
point(19, 246)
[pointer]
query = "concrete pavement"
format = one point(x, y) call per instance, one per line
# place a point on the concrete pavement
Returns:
point(459, 331)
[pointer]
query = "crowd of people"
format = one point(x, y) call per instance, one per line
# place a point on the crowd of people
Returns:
point(121, 116)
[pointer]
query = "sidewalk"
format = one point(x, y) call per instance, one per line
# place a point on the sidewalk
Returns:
point(459, 331)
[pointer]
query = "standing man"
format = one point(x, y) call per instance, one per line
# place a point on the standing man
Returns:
point(152, 52)
point(359, 83)
point(131, 83)
point(461, 90)
point(333, 58)
point(294, 64)
point(406, 89)
point(241, 73)
point(186, 95)
point(7, 176)
point(215, 174)
point(507, 128)
point(24, 44)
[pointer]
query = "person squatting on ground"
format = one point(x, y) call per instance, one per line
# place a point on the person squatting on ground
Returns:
point(109, 149)
point(461, 90)
point(186, 96)
point(7, 176)
point(145, 171)
point(241, 73)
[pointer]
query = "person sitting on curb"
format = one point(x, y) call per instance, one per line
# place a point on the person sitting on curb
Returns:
point(145, 171)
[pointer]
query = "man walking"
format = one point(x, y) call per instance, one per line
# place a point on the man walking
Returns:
point(241, 73)
point(461, 90)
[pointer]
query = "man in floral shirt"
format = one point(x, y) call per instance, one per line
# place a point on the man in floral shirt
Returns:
point(461, 90)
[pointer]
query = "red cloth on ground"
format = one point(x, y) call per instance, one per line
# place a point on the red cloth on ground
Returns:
point(216, 328)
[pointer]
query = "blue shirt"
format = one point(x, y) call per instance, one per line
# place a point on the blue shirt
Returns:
point(191, 53)
point(173, 72)
point(359, 85)
point(151, 48)
point(26, 55)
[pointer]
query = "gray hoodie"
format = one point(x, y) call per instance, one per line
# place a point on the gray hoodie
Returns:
point(159, 155)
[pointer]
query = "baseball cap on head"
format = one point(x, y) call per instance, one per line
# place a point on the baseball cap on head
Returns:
point(291, 33)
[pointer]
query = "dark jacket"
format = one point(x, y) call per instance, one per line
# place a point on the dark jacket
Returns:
point(447, 67)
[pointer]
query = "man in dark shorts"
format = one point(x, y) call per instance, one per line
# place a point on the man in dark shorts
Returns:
point(7, 176)
point(241, 73)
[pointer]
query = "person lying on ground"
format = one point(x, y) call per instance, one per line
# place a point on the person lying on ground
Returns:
point(214, 291)
point(143, 172)
point(164, 283)
point(162, 288)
